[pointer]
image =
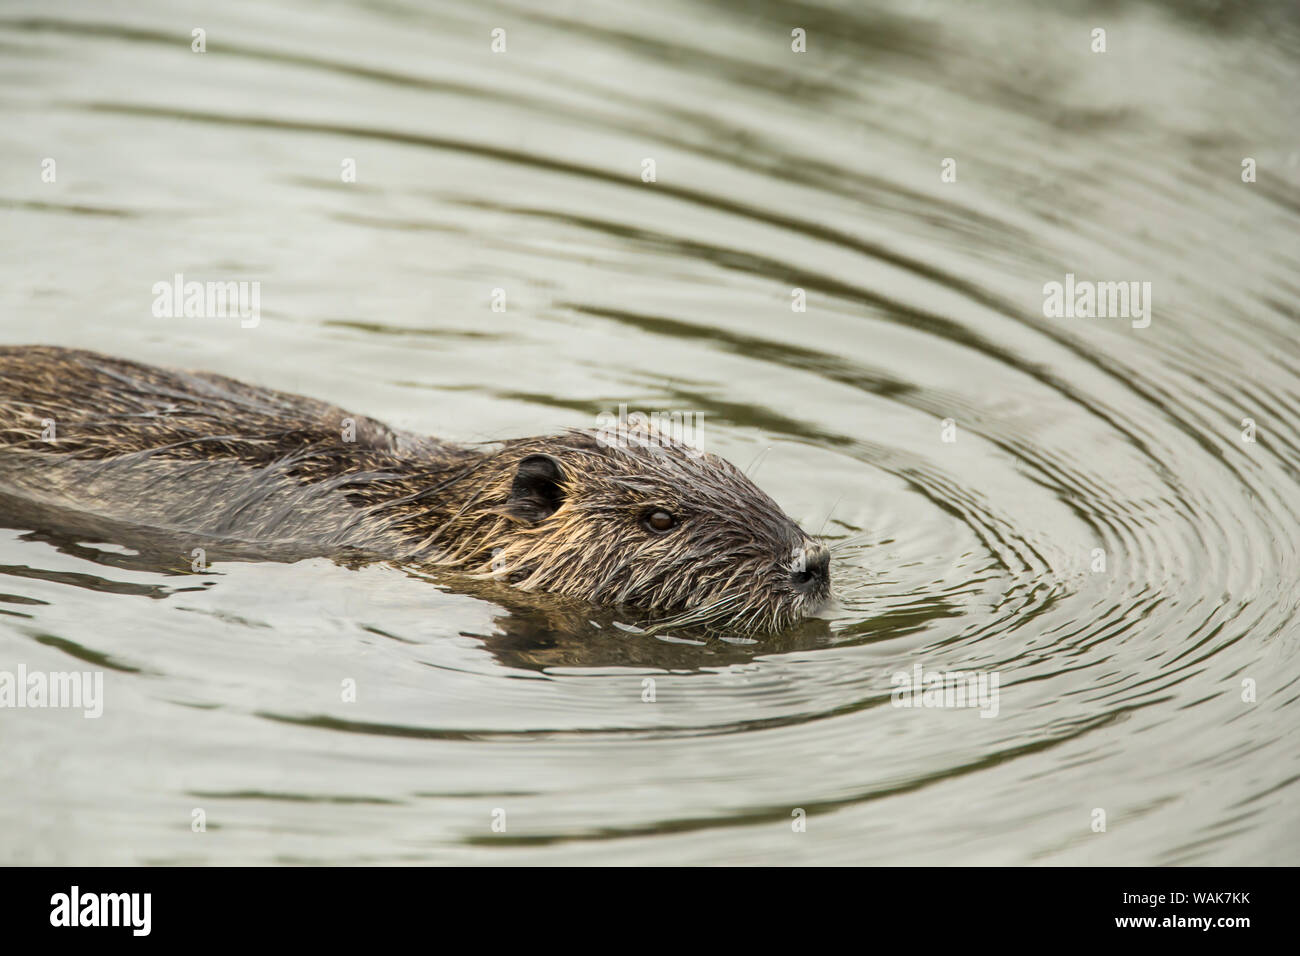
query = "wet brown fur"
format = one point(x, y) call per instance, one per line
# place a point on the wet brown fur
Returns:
point(202, 454)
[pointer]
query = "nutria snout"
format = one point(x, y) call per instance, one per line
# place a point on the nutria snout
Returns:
point(628, 517)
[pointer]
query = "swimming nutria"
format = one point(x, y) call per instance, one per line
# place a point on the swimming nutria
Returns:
point(643, 521)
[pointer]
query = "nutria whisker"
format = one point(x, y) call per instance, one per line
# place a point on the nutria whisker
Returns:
point(758, 460)
point(696, 616)
point(822, 530)
point(849, 541)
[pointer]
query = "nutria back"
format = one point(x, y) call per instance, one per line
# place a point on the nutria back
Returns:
point(633, 518)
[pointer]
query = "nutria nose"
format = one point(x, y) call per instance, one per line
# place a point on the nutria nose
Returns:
point(812, 568)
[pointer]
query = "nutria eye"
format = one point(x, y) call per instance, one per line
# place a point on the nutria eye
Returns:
point(659, 521)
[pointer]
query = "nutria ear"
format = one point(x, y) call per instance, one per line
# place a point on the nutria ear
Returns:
point(536, 492)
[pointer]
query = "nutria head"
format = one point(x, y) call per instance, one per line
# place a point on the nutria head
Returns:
point(641, 520)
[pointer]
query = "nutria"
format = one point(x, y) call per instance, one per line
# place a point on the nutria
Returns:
point(642, 521)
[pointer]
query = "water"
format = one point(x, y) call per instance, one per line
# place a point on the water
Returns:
point(1079, 442)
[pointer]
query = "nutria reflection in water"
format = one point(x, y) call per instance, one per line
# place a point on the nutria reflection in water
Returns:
point(644, 522)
